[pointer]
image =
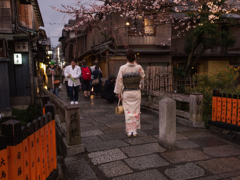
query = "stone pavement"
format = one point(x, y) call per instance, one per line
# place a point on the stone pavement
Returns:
point(110, 154)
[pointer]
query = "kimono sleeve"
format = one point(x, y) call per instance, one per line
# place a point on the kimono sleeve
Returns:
point(119, 83)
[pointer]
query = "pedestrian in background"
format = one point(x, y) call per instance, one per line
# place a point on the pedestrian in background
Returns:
point(65, 79)
point(108, 90)
point(95, 63)
point(73, 72)
point(86, 80)
point(97, 74)
point(128, 89)
point(60, 75)
point(53, 79)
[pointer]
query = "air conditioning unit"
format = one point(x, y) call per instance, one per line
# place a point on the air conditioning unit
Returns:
point(21, 46)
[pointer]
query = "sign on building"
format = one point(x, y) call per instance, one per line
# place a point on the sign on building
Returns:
point(17, 58)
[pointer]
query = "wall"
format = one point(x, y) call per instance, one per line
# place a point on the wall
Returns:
point(115, 63)
point(5, 17)
point(4, 85)
point(209, 66)
point(19, 78)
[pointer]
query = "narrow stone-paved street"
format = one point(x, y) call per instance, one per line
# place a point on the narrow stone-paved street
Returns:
point(110, 154)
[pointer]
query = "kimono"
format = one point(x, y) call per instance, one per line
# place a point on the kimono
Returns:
point(128, 84)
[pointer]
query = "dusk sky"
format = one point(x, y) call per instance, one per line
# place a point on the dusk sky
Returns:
point(53, 20)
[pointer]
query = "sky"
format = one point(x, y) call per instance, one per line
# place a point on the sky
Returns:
point(54, 21)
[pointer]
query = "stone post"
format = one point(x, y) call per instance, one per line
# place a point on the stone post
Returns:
point(72, 117)
point(167, 122)
point(195, 109)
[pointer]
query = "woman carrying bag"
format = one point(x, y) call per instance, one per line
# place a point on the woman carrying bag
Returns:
point(128, 90)
point(97, 83)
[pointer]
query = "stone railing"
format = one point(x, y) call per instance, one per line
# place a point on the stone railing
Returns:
point(67, 124)
point(192, 118)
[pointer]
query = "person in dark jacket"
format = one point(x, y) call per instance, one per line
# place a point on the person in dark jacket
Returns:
point(97, 75)
point(108, 92)
point(53, 75)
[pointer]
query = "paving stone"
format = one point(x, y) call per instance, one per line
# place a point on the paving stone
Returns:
point(151, 131)
point(221, 165)
point(144, 175)
point(115, 169)
point(113, 136)
point(150, 117)
point(105, 118)
point(229, 175)
point(145, 123)
point(113, 130)
point(214, 177)
point(91, 139)
point(99, 146)
point(145, 162)
point(116, 125)
point(184, 128)
point(186, 144)
point(86, 124)
point(141, 150)
point(146, 126)
point(88, 128)
point(195, 134)
point(141, 140)
point(106, 156)
point(187, 171)
point(184, 156)
point(141, 133)
point(222, 151)
point(236, 178)
point(91, 133)
point(209, 142)
point(94, 111)
point(180, 137)
point(79, 169)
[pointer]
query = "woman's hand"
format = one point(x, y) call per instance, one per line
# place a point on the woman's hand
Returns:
point(120, 96)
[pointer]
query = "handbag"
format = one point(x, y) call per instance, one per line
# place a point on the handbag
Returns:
point(56, 82)
point(95, 82)
point(119, 109)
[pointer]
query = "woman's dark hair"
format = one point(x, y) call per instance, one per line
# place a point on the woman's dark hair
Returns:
point(97, 67)
point(111, 77)
point(130, 55)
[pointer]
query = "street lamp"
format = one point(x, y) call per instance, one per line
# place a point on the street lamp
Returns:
point(127, 23)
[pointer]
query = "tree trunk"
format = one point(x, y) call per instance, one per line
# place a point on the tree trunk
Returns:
point(195, 60)
point(188, 66)
point(190, 57)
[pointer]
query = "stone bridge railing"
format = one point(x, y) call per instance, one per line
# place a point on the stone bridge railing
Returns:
point(192, 117)
point(67, 124)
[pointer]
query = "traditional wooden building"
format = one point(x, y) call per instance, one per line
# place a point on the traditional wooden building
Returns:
point(20, 50)
point(154, 47)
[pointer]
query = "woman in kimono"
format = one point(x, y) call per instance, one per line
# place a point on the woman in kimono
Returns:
point(128, 90)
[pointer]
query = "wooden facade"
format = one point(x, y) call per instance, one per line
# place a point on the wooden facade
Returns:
point(19, 33)
point(6, 16)
point(156, 49)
